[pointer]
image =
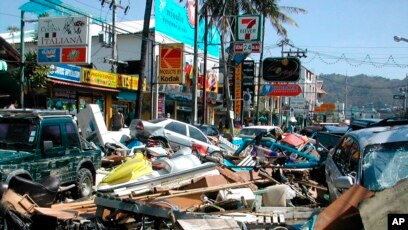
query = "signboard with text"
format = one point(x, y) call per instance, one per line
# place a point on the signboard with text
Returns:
point(96, 77)
point(281, 89)
point(128, 82)
point(176, 20)
point(66, 72)
point(64, 40)
point(248, 85)
point(247, 47)
point(248, 28)
point(238, 89)
point(171, 64)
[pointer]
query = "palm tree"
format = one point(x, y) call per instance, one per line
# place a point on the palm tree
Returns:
point(220, 10)
point(12, 30)
point(267, 8)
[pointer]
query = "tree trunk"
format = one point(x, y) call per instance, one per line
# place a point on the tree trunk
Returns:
point(145, 38)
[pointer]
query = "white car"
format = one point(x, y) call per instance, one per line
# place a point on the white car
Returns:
point(168, 131)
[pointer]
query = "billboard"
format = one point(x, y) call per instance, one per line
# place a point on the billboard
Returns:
point(176, 19)
point(285, 69)
point(64, 40)
point(171, 64)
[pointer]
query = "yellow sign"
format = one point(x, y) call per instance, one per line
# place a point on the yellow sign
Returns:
point(128, 82)
point(96, 77)
point(171, 64)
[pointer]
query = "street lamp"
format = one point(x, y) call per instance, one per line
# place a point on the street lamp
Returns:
point(399, 38)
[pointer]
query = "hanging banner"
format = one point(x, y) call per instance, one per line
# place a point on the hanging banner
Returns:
point(171, 64)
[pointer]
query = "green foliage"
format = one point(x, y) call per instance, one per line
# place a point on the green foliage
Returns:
point(362, 90)
point(35, 74)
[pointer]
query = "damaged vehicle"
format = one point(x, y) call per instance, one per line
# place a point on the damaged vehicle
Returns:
point(373, 157)
point(37, 144)
point(173, 133)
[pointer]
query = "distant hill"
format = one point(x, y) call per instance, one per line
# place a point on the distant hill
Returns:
point(362, 90)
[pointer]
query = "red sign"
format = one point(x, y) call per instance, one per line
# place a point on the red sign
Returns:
point(247, 47)
point(171, 64)
point(282, 89)
point(73, 55)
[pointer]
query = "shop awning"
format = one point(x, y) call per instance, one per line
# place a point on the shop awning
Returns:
point(127, 95)
point(72, 84)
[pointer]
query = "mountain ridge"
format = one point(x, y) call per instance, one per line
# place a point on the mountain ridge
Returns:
point(362, 90)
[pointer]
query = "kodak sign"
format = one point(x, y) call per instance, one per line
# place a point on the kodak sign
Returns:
point(171, 64)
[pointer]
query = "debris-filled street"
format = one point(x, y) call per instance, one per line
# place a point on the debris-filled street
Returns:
point(240, 186)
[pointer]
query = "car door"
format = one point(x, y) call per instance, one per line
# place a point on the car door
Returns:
point(53, 161)
point(73, 152)
point(343, 160)
point(176, 134)
point(197, 137)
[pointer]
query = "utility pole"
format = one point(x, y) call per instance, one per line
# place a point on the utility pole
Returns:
point(205, 67)
point(260, 69)
point(22, 60)
point(114, 50)
point(346, 97)
point(195, 80)
point(113, 6)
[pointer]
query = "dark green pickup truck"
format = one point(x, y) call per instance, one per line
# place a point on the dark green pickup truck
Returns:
point(36, 144)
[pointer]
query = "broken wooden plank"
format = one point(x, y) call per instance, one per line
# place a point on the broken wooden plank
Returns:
point(59, 214)
point(343, 212)
point(177, 193)
point(235, 177)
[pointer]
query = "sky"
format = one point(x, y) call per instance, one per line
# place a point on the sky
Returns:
point(345, 37)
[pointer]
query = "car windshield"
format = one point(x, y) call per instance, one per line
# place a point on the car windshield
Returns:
point(19, 132)
point(251, 132)
point(384, 165)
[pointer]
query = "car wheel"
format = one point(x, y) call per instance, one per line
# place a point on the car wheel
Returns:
point(161, 143)
point(84, 183)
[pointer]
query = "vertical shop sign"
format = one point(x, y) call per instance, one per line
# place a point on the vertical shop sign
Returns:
point(238, 90)
point(248, 86)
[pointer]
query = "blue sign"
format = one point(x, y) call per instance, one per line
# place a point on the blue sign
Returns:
point(176, 20)
point(49, 55)
point(66, 72)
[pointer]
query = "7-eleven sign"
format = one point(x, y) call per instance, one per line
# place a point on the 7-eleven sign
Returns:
point(248, 28)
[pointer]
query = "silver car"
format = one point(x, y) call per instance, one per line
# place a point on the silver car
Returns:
point(376, 158)
point(168, 131)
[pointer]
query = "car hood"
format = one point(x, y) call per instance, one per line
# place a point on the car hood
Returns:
point(13, 156)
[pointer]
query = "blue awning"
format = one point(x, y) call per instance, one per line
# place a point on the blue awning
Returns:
point(127, 95)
